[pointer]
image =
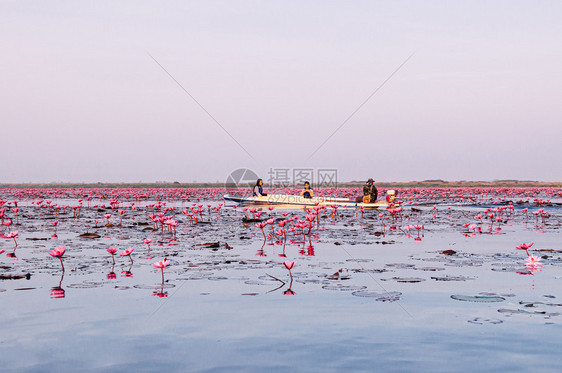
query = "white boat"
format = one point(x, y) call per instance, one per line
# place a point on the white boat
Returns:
point(299, 201)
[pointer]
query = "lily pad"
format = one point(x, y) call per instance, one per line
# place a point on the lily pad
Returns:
point(478, 298)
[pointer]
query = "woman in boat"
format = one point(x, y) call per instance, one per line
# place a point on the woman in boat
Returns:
point(307, 192)
point(258, 189)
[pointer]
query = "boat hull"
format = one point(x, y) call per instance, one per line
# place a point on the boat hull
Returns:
point(298, 201)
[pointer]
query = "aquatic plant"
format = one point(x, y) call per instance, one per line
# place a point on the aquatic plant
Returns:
point(261, 226)
point(121, 213)
point(112, 251)
point(13, 235)
point(289, 265)
point(127, 252)
point(15, 210)
point(525, 246)
point(160, 266)
point(58, 252)
point(55, 224)
point(147, 241)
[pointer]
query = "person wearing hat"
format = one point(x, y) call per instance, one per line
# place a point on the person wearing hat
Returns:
point(370, 192)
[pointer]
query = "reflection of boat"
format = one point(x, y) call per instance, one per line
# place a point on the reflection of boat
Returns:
point(289, 200)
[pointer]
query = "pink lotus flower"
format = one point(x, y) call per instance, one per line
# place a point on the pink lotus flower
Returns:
point(525, 246)
point(161, 265)
point(13, 235)
point(112, 251)
point(58, 252)
point(127, 252)
point(261, 226)
point(288, 264)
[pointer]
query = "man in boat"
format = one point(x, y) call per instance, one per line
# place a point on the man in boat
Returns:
point(258, 189)
point(370, 192)
point(307, 192)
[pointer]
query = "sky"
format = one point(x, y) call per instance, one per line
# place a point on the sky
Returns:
point(147, 91)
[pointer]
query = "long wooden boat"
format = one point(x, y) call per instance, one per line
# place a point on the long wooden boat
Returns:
point(299, 201)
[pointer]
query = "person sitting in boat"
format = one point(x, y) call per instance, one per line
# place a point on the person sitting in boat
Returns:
point(307, 192)
point(370, 192)
point(390, 196)
point(258, 189)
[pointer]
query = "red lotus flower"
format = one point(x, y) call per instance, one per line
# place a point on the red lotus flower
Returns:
point(288, 264)
point(58, 252)
point(161, 265)
point(525, 246)
point(127, 252)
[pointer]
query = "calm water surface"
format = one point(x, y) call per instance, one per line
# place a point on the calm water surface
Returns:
point(358, 305)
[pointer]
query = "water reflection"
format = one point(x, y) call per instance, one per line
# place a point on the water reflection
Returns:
point(261, 251)
point(111, 275)
point(128, 272)
point(57, 291)
point(160, 293)
point(283, 255)
point(289, 291)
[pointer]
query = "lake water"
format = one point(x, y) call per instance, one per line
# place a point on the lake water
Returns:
point(362, 298)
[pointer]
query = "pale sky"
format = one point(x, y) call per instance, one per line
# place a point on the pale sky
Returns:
point(82, 101)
